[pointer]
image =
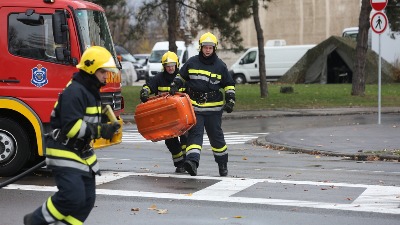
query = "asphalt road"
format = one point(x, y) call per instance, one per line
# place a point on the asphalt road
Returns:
point(264, 186)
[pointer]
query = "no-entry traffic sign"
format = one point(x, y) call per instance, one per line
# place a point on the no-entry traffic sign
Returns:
point(378, 5)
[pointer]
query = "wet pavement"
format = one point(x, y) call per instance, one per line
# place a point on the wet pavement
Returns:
point(355, 140)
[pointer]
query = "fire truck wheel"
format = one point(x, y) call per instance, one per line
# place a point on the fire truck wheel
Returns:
point(14, 147)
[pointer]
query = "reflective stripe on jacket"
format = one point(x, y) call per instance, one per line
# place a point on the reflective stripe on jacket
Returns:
point(161, 83)
point(75, 107)
point(202, 78)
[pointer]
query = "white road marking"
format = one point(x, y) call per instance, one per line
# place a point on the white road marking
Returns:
point(231, 138)
point(375, 198)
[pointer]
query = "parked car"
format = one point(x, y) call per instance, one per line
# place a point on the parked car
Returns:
point(141, 56)
point(143, 59)
point(278, 60)
point(128, 73)
point(126, 56)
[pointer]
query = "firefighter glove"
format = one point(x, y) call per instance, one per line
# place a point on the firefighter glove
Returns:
point(144, 95)
point(175, 85)
point(228, 107)
point(108, 130)
point(92, 131)
point(173, 89)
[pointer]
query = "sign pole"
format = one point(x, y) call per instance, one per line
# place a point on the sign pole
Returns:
point(379, 81)
point(378, 24)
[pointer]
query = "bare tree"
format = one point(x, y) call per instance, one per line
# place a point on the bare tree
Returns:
point(358, 84)
point(172, 24)
point(260, 44)
point(119, 17)
point(223, 16)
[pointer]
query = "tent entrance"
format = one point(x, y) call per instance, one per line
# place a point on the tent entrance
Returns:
point(338, 71)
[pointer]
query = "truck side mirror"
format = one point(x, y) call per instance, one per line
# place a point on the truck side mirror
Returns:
point(30, 18)
point(241, 62)
point(60, 54)
point(60, 27)
point(63, 54)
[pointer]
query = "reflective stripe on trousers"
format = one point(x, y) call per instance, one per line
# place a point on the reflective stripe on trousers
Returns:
point(212, 124)
point(71, 204)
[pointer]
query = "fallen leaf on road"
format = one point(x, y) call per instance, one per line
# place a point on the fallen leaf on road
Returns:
point(135, 209)
point(190, 194)
point(244, 158)
point(152, 207)
point(162, 211)
point(372, 158)
point(237, 217)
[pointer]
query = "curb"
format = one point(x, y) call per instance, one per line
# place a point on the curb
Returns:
point(260, 141)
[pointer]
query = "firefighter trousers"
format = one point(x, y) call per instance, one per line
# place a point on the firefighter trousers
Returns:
point(71, 204)
point(177, 148)
point(212, 124)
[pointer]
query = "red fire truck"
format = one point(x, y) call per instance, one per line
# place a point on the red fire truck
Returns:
point(41, 42)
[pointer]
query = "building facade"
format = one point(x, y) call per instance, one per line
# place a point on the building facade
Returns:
point(302, 21)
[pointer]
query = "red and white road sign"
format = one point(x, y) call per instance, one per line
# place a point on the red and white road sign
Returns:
point(378, 5)
point(379, 22)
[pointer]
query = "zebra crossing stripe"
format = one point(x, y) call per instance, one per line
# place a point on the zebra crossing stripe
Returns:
point(231, 138)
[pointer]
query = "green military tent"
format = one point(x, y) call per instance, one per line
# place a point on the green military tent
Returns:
point(332, 61)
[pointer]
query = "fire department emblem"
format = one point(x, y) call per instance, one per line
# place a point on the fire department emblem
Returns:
point(39, 76)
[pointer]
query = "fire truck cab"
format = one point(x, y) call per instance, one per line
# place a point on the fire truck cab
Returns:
point(41, 42)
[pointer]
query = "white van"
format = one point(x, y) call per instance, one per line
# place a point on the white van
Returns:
point(160, 48)
point(350, 32)
point(278, 60)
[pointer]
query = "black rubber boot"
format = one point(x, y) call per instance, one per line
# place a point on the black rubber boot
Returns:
point(223, 169)
point(180, 169)
point(190, 167)
point(28, 219)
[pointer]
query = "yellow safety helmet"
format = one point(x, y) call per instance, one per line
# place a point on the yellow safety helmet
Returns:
point(208, 39)
point(97, 57)
point(170, 59)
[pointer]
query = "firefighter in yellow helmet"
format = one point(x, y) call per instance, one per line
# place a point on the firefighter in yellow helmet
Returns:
point(205, 75)
point(160, 84)
point(75, 122)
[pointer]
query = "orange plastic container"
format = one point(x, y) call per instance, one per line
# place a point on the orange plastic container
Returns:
point(165, 116)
